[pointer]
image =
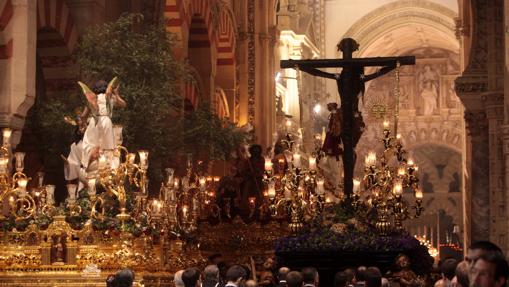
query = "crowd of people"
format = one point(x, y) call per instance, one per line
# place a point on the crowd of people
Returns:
point(484, 266)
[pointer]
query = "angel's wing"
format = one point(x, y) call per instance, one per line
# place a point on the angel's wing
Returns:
point(111, 85)
point(91, 96)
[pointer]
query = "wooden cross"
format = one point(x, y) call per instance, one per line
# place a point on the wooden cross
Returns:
point(350, 83)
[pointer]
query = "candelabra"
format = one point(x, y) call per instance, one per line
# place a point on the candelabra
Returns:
point(385, 183)
point(293, 191)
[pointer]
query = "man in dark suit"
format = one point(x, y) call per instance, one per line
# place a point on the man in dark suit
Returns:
point(235, 276)
point(310, 277)
point(294, 279)
point(211, 279)
point(191, 277)
point(281, 276)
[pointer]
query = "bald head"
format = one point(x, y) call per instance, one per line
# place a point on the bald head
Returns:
point(283, 271)
point(211, 272)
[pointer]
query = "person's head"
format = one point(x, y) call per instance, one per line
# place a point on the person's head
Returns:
point(448, 268)
point(255, 150)
point(478, 248)
point(360, 274)
point(340, 279)
point(310, 276)
point(403, 261)
point(177, 279)
point(489, 270)
point(385, 282)
point(124, 278)
point(236, 274)
point(294, 279)
point(100, 87)
point(347, 44)
point(211, 272)
point(350, 274)
point(268, 264)
point(282, 272)
point(191, 277)
point(250, 283)
point(461, 274)
point(373, 277)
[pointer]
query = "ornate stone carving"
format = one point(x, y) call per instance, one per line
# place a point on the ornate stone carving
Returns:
point(476, 122)
point(251, 60)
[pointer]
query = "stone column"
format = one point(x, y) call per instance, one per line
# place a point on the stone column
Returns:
point(477, 197)
point(17, 93)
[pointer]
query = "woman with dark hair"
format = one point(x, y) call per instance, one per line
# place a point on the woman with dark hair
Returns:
point(99, 134)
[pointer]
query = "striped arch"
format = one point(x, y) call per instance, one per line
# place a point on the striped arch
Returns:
point(180, 13)
point(56, 39)
point(6, 11)
point(56, 14)
point(226, 38)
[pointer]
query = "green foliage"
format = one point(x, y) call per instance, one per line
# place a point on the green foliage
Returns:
point(141, 56)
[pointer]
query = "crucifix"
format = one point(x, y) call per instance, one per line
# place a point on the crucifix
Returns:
point(350, 83)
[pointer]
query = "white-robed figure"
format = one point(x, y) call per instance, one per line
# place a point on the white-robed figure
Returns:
point(99, 134)
point(73, 169)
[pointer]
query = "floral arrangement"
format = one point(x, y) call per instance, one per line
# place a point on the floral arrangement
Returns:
point(341, 229)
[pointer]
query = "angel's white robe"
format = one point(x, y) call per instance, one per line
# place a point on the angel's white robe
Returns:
point(100, 134)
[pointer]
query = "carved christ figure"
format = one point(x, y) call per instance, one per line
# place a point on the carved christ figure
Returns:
point(99, 134)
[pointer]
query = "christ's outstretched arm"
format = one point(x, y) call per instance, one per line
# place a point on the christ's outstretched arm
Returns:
point(316, 72)
point(378, 73)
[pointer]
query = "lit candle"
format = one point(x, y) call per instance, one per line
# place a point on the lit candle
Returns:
point(50, 191)
point(410, 162)
point(40, 177)
point(398, 136)
point(356, 185)
point(320, 190)
point(370, 159)
point(7, 132)
point(252, 201)
point(418, 194)
point(216, 179)
point(117, 131)
point(296, 160)
point(176, 183)
point(143, 158)
point(397, 189)
point(386, 125)
point(184, 211)
point(71, 189)
point(91, 186)
point(268, 164)
point(102, 161)
point(288, 124)
point(3, 164)
point(312, 163)
point(271, 191)
point(22, 184)
point(202, 181)
point(401, 171)
point(19, 156)
point(130, 158)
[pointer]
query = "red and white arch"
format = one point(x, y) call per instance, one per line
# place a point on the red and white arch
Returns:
point(7, 10)
point(56, 39)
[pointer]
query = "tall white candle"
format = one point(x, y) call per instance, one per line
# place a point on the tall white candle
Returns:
point(312, 163)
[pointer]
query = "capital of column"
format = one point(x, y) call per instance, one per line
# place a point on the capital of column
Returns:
point(494, 104)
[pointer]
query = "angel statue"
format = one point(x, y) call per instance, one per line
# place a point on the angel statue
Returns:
point(72, 163)
point(99, 134)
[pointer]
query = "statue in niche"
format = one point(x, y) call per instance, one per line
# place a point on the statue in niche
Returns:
point(58, 249)
point(428, 89)
point(455, 184)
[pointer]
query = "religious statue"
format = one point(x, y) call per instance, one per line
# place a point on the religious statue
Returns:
point(72, 163)
point(58, 250)
point(252, 172)
point(351, 85)
point(332, 143)
point(428, 87)
point(99, 134)
point(403, 275)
